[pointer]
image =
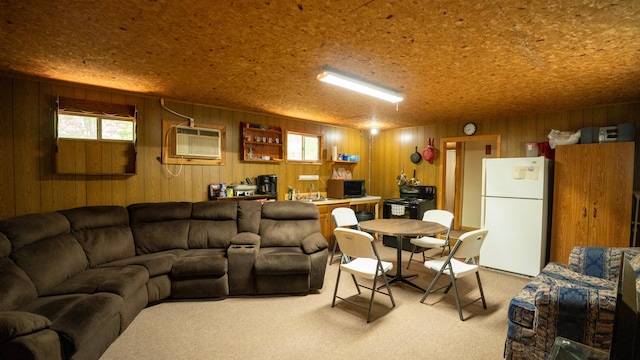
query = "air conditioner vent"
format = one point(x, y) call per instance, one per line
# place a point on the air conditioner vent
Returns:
point(196, 142)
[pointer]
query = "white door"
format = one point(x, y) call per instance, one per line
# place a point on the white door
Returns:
point(517, 235)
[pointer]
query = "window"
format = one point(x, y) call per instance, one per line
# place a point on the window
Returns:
point(303, 147)
point(95, 138)
point(71, 126)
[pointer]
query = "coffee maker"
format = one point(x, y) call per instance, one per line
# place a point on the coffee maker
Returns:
point(267, 184)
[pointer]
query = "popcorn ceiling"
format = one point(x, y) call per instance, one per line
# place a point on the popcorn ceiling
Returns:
point(453, 61)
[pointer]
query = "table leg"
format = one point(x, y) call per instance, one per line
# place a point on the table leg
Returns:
point(398, 275)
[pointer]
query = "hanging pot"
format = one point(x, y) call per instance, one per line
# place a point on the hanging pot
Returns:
point(430, 153)
point(413, 181)
point(415, 157)
point(402, 178)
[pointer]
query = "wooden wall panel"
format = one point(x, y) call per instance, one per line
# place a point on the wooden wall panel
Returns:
point(7, 165)
point(28, 183)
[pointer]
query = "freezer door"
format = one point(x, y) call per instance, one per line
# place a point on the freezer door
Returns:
point(517, 239)
point(515, 177)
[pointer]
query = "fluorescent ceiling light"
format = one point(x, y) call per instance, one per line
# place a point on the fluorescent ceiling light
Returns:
point(359, 86)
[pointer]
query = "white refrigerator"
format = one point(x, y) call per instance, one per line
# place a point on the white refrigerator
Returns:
point(515, 204)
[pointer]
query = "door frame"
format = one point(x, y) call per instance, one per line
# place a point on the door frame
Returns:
point(441, 190)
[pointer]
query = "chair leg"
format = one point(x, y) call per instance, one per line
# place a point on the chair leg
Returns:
point(373, 292)
point(333, 252)
point(433, 283)
point(455, 290)
point(386, 284)
point(356, 283)
point(335, 292)
point(411, 257)
point(484, 303)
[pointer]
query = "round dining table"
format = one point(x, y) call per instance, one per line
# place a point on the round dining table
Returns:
point(402, 227)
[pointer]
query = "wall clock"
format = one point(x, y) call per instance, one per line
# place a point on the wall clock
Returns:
point(469, 128)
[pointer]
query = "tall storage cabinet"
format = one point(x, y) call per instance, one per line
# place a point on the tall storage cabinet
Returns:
point(592, 197)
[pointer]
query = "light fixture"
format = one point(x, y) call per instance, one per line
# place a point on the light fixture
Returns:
point(359, 86)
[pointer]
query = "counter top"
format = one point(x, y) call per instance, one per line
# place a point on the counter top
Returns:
point(351, 201)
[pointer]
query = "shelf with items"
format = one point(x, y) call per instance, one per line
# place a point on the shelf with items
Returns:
point(341, 162)
point(261, 143)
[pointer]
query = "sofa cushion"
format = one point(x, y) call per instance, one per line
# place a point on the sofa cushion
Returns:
point(602, 262)
point(160, 226)
point(200, 262)
point(123, 281)
point(20, 323)
point(42, 261)
point(79, 318)
point(249, 214)
point(5, 246)
point(103, 232)
point(27, 229)
point(156, 264)
point(213, 224)
point(287, 223)
point(16, 289)
point(560, 274)
point(281, 261)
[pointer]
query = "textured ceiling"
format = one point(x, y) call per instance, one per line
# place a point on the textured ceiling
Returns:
point(452, 62)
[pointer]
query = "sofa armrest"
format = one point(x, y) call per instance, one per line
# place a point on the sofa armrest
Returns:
point(602, 262)
point(314, 243)
point(246, 238)
point(20, 323)
point(578, 313)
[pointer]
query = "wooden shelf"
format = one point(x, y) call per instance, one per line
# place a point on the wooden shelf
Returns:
point(258, 141)
point(341, 162)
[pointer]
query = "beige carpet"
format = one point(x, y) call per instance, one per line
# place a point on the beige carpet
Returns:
point(307, 327)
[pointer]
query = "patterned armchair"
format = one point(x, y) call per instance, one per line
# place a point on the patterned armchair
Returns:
point(575, 301)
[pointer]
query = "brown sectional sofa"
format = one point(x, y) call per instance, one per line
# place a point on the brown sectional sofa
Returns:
point(71, 281)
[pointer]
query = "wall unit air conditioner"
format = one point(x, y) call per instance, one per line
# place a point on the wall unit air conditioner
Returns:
point(194, 142)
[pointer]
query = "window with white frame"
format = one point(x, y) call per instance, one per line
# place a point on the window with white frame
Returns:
point(303, 147)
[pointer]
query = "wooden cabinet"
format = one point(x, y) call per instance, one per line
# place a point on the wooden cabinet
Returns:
point(326, 221)
point(261, 143)
point(593, 186)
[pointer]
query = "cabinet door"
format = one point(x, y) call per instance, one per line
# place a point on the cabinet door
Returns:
point(611, 194)
point(592, 197)
point(570, 198)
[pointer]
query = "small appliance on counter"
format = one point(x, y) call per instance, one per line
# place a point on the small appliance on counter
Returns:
point(344, 189)
point(267, 184)
point(243, 189)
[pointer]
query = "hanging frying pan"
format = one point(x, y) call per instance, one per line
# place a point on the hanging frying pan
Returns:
point(402, 178)
point(415, 157)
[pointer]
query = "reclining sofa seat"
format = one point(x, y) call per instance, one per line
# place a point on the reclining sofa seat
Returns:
point(293, 252)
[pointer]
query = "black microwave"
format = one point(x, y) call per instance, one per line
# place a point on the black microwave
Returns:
point(343, 189)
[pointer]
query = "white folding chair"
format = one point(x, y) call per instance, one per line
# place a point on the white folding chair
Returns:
point(343, 217)
point(468, 248)
point(364, 262)
point(442, 217)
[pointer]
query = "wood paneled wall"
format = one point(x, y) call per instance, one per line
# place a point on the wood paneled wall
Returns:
point(392, 149)
point(28, 183)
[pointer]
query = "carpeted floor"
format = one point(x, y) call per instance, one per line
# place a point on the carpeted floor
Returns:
point(307, 327)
